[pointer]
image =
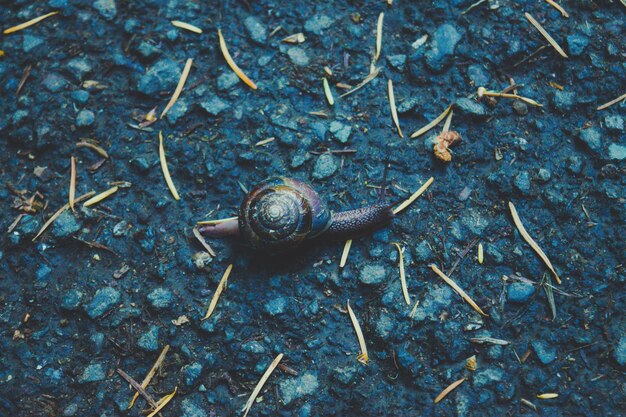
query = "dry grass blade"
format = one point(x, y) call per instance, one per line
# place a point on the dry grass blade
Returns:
point(72, 193)
point(265, 141)
point(432, 124)
point(363, 357)
point(547, 287)
point(163, 402)
point(203, 242)
point(489, 340)
point(151, 373)
point(531, 242)
point(370, 77)
point(260, 384)
point(610, 103)
point(216, 221)
point(448, 122)
point(179, 87)
point(218, 292)
point(98, 198)
point(186, 26)
point(546, 35)
point(60, 211)
point(140, 390)
point(458, 289)
point(99, 150)
point(392, 105)
point(528, 404)
point(405, 290)
point(558, 7)
point(166, 171)
point(547, 396)
point(482, 91)
point(413, 197)
point(344, 254)
point(447, 391)
point(231, 63)
point(327, 92)
point(29, 23)
point(524, 99)
point(379, 35)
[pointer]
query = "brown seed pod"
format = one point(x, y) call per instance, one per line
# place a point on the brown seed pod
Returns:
point(443, 142)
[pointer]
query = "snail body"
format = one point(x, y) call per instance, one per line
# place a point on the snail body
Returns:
point(281, 212)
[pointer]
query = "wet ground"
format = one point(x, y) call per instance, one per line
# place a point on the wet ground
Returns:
point(108, 287)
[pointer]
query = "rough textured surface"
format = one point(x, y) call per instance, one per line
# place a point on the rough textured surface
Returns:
point(108, 287)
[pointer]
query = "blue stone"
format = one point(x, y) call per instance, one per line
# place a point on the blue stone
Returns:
point(160, 298)
point(577, 44)
point(545, 352)
point(520, 292)
point(92, 373)
point(71, 300)
point(149, 341)
point(85, 118)
point(80, 96)
point(276, 306)
point(103, 300)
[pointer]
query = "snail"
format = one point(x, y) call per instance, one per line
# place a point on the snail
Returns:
point(280, 213)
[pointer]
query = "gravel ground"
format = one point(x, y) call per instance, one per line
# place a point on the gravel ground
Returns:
point(108, 287)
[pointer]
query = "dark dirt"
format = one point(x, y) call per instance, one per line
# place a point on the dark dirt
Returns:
point(71, 313)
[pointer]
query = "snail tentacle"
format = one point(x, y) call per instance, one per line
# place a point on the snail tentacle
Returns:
point(229, 228)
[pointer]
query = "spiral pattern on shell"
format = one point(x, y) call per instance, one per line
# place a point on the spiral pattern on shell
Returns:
point(281, 212)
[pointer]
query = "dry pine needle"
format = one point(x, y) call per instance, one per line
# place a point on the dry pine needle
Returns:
point(179, 87)
point(363, 357)
point(232, 64)
point(531, 242)
point(261, 382)
point(29, 23)
point(345, 252)
point(165, 169)
point(218, 292)
point(458, 289)
point(449, 389)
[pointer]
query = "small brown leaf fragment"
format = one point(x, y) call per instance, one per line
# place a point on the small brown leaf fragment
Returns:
point(470, 363)
point(295, 38)
point(443, 142)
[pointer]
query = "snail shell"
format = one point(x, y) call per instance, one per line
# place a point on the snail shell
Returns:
point(281, 212)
